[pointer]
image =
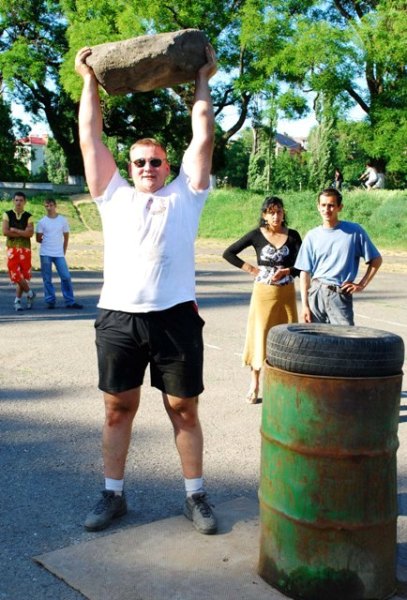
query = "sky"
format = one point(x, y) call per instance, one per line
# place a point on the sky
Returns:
point(18, 112)
point(294, 128)
point(298, 128)
point(302, 127)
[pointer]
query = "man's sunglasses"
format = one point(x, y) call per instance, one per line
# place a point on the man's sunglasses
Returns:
point(141, 162)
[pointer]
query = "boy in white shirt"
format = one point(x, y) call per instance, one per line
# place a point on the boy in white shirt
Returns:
point(52, 232)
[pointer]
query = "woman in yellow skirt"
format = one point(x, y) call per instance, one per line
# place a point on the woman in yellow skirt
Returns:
point(273, 299)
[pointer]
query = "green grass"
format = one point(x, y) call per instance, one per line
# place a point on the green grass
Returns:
point(35, 206)
point(90, 215)
point(230, 213)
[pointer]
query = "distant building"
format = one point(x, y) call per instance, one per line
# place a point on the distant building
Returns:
point(285, 142)
point(282, 142)
point(31, 150)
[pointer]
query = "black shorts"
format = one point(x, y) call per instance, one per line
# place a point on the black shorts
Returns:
point(170, 340)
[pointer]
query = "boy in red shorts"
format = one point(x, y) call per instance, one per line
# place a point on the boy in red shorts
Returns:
point(18, 227)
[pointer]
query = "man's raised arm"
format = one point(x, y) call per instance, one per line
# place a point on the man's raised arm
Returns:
point(198, 157)
point(98, 160)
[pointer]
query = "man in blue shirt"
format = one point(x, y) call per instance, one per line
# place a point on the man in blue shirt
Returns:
point(329, 261)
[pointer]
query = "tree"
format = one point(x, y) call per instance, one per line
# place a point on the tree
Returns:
point(259, 163)
point(236, 161)
point(158, 114)
point(350, 156)
point(276, 50)
point(11, 160)
point(352, 50)
point(32, 44)
point(7, 143)
point(108, 20)
point(290, 172)
point(55, 163)
point(321, 144)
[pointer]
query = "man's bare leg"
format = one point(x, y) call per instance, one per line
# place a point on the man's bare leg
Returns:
point(183, 413)
point(120, 410)
point(21, 287)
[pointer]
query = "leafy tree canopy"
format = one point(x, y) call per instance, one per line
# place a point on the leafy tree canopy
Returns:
point(7, 143)
point(269, 51)
point(32, 46)
point(105, 20)
point(352, 51)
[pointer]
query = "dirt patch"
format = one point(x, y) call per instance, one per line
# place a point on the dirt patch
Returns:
point(394, 261)
point(85, 252)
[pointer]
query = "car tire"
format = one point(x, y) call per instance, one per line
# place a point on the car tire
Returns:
point(334, 350)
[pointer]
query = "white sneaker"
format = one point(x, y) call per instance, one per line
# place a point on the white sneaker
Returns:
point(17, 305)
point(30, 299)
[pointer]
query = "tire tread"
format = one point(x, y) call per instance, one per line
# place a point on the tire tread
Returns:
point(335, 350)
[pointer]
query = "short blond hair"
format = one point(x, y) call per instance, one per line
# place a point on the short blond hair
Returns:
point(148, 142)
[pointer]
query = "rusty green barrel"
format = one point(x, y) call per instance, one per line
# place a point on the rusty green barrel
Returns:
point(328, 495)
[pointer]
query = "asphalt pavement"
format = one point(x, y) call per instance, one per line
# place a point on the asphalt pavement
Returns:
point(51, 415)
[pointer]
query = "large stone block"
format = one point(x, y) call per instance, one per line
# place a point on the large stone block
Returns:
point(148, 62)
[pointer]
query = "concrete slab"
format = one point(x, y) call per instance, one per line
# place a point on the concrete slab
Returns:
point(169, 560)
